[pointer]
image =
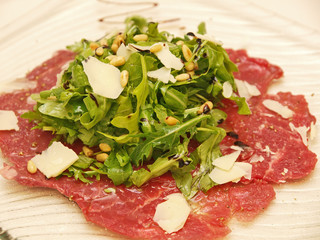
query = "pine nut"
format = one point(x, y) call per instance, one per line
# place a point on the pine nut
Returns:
point(171, 121)
point(191, 73)
point(99, 51)
point(94, 46)
point(187, 54)
point(182, 77)
point(104, 42)
point(140, 37)
point(110, 57)
point(156, 48)
point(124, 77)
point(180, 43)
point(105, 147)
point(31, 167)
point(87, 151)
point(114, 47)
point(206, 107)
point(189, 66)
point(118, 61)
point(52, 97)
point(101, 157)
point(119, 39)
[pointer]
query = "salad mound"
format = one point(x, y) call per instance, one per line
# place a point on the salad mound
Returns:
point(137, 100)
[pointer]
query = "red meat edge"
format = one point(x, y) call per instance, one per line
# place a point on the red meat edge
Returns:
point(130, 211)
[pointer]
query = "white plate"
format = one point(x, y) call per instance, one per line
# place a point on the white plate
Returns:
point(32, 35)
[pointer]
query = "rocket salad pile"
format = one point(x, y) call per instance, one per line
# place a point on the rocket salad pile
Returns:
point(169, 94)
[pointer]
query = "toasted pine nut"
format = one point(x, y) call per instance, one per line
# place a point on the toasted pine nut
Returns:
point(187, 54)
point(87, 151)
point(156, 48)
point(191, 73)
point(105, 147)
point(99, 51)
point(110, 57)
point(103, 42)
point(206, 107)
point(124, 77)
point(31, 167)
point(171, 121)
point(180, 42)
point(52, 97)
point(189, 66)
point(196, 66)
point(118, 61)
point(94, 46)
point(182, 77)
point(119, 39)
point(101, 157)
point(140, 37)
point(114, 47)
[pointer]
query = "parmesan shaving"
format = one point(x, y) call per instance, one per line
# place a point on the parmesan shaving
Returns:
point(277, 107)
point(246, 89)
point(256, 158)
point(302, 132)
point(239, 170)
point(8, 120)
point(227, 90)
point(125, 51)
point(104, 78)
point(172, 214)
point(168, 59)
point(236, 148)
point(313, 131)
point(162, 74)
point(252, 89)
point(227, 161)
point(19, 83)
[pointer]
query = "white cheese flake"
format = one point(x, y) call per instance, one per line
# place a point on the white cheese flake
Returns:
point(227, 90)
point(256, 158)
point(125, 51)
point(236, 148)
point(162, 74)
point(246, 89)
point(303, 132)
point(242, 89)
point(239, 170)
point(252, 89)
point(172, 214)
point(19, 83)
point(55, 159)
point(226, 162)
point(209, 38)
point(168, 59)
point(277, 107)
point(313, 131)
point(8, 120)
point(104, 78)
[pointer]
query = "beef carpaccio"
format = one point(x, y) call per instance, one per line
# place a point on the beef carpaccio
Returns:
point(282, 155)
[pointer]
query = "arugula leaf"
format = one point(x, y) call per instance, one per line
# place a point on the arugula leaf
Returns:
point(135, 123)
point(202, 28)
point(168, 137)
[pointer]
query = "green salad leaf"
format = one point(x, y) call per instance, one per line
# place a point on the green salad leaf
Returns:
point(150, 126)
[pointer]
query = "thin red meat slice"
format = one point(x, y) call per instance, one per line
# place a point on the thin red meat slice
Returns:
point(129, 211)
point(286, 157)
point(256, 71)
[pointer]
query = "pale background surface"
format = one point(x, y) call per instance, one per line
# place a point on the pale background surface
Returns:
point(30, 32)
